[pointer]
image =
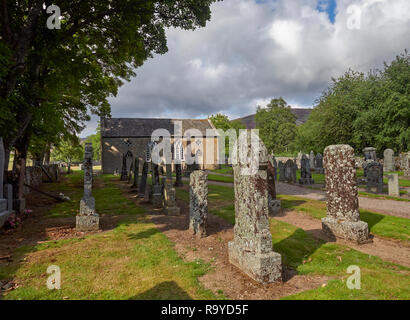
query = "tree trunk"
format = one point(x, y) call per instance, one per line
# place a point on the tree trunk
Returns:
point(21, 159)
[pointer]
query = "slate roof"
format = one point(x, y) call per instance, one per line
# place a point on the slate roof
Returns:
point(302, 116)
point(144, 127)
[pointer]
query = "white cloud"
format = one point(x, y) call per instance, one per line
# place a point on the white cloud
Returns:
point(251, 52)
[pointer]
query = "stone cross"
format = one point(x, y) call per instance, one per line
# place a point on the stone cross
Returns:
point(274, 203)
point(305, 174)
point(388, 165)
point(251, 249)
point(343, 218)
point(198, 202)
point(312, 160)
point(394, 187)
point(87, 219)
point(143, 183)
point(374, 177)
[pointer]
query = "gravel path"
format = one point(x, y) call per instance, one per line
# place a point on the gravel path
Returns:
point(384, 206)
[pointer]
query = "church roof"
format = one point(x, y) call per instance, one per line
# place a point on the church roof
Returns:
point(144, 127)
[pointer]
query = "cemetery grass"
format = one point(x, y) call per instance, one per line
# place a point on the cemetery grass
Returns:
point(310, 256)
point(131, 260)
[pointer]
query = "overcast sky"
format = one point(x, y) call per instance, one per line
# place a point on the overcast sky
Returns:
point(254, 50)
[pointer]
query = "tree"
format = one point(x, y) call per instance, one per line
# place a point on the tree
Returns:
point(95, 140)
point(68, 150)
point(277, 125)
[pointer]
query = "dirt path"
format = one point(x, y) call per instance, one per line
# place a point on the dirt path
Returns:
point(384, 206)
point(388, 250)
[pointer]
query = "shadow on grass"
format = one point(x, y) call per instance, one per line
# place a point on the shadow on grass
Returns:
point(168, 290)
point(371, 218)
point(143, 235)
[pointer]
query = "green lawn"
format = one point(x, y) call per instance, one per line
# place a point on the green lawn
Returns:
point(132, 261)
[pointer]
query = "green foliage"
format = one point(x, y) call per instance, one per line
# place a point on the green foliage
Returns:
point(68, 151)
point(95, 140)
point(363, 110)
point(277, 125)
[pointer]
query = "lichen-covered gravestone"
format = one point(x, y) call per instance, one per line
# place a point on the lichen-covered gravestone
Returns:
point(88, 219)
point(388, 165)
point(251, 250)
point(274, 203)
point(343, 218)
point(394, 188)
point(374, 177)
point(178, 174)
point(157, 188)
point(136, 173)
point(143, 184)
point(170, 207)
point(281, 171)
point(198, 202)
point(305, 174)
point(407, 165)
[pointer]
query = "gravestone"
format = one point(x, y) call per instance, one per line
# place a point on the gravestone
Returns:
point(198, 202)
point(136, 173)
point(305, 174)
point(406, 169)
point(312, 160)
point(369, 157)
point(343, 218)
point(388, 165)
point(157, 189)
point(170, 207)
point(275, 167)
point(281, 171)
point(319, 164)
point(143, 183)
point(290, 171)
point(88, 219)
point(299, 159)
point(274, 203)
point(394, 188)
point(374, 177)
point(178, 174)
point(6, 203)
point(130, 173)
point(124, 171)
point(251, 249)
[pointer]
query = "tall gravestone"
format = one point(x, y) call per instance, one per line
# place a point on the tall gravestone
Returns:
point(157, 188)
point(170, 207)
point(6, 204)
point(407, 165)
point(343, 218)
point(198, 202)
point(143, 184)
point(319, 164)
point(281, 166)
point(274, 203)
point(251, 249)
point(290, 171)
point(88, 219)
point(388, 165)
point(374, 177)
point(299, 159)
point(136, 173)
point(369, 157)
point(394, 187)
point(312, 160)
point(124, 171)
point(130, 173)
point(305, 174)
point(178, 175)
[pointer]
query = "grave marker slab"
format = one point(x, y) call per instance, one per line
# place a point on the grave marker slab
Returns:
point(198, 202)
point(388, 165)
point(394, 187)
point(374, 177)
point(306, 175)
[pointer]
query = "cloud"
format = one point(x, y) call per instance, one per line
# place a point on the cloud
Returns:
point(253, 51)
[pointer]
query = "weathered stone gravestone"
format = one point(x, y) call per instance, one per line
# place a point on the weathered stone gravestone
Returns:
point(6, 204)
point(130, 173)
point(374, 177)
point(143, 183)
point(124, 171)
point(299, 159)
point(251, 250)
point(157, 188)
point(394, 187)
point(319, 164)
point(312, 160)
point(305, 174)
point(136, 173)
point(343, 218)
point(178, 174)
point(388, 165)
point(275, 168)
point(274, 203)
point(369, 154)
point(88, 219)
point(281, 171)
point(198, 202)
point(407, 165)
point(170, 207)
point(290, 171)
